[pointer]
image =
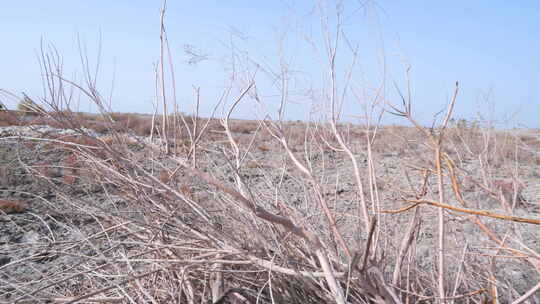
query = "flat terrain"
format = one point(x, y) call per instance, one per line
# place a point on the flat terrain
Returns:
point(110, 215)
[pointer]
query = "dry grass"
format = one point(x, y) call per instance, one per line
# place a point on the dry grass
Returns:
point(9, 118)
point(11, 206)
point(212, 210)
point(244, 127)
point(183, 230)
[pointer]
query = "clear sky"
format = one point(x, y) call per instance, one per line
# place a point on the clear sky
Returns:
point(491, 47)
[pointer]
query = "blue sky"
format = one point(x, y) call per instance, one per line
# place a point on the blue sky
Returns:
point(491, 47)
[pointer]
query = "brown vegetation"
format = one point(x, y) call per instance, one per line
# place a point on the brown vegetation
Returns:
point(11, 206)
point(272, 211)
point(181, 204)
point(9, 118)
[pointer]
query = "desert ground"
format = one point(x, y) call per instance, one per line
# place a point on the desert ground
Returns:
point(105, 209)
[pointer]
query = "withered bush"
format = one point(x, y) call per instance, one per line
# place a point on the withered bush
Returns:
point(9, 118)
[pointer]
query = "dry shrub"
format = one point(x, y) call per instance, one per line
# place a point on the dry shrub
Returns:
point(510, 189)
point(28, 106)
point(244, 126)
point(462, 130)
point(109, 139)
point(69, 179)
point(496, 146)
point(181, 219)
point(143, 127)
point(186, 190)
point(113, 122)
point(396, 139)
point(181, 147)
point(118, 140)
point(215, 125)
point(29, 144)
point(45, 169)
point(252, 164)
point(71, 160)
point(4, 171)
point(95, 125)
point(157, 245)
point(121, 117)
point(71, 168)
point(296, 133)
point(77, 140)
point(12, 206)
point(530, 145)
point(263, 148)
point(69, 143)
point(48, 121)
point(98, 127)
point(505, 146)
point(263, 135)
point(214, 136)
point(142, 124)
point(164, 176)
point(9, 118)
point(531, 141)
